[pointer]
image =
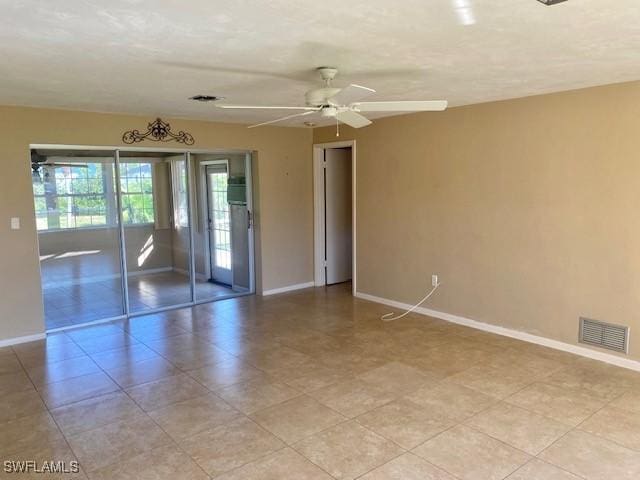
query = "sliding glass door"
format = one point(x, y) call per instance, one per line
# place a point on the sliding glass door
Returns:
point(224, 237)
point(79, 236)
point(155, 216)
point(128, 232)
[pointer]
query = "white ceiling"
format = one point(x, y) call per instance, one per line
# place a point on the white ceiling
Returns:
point(148, 57)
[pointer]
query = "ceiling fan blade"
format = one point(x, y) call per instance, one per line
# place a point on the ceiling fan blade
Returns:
point(281, 119)
point(265, 107)
point(401, 106)
point(353, 119)
point(351, 94)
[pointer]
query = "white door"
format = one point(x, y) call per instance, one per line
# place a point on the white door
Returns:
point(338, 234)
point(219, 223)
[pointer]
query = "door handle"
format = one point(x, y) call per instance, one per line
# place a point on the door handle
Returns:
point(249, 219)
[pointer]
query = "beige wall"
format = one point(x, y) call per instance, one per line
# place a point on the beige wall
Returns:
point(284, 204)
point(527, 209)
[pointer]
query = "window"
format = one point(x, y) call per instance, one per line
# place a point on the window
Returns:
point(70, 197)
point(82, 196)
point(136, 186)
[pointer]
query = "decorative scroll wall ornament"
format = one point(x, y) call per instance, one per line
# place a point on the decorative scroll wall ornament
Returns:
point(158, 131)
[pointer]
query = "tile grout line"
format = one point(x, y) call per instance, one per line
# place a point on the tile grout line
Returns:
point(146, 414)
point(285, 445)
point(258, 328)
point(606, 405)
point(50, 414)
point(463, 424)
point(573, 429)
point(346, 420)
point(536, 458)
point(409, 452)
point(143, 411)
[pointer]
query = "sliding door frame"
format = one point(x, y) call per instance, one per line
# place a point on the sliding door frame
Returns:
point(191, 179)
point(248, 174)
point(192, 218)
point(123, 261)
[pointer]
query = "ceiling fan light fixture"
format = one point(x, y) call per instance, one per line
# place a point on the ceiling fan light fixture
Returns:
point(35, 173)
point(206, 98)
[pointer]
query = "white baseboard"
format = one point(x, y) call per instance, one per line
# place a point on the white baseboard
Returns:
point(288, 288)
point(507, 332)
point(7, 342)
point(87, 324)
point(182, 271)
point(148, 271)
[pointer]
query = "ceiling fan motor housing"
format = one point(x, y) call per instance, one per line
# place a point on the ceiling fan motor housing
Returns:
point(327, 73)
point(329, 112)
point(320, 96)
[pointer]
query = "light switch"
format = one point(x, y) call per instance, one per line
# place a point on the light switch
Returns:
point(15, 223)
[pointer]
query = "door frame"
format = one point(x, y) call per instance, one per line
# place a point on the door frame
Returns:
point(248, 175)
point(319, 274)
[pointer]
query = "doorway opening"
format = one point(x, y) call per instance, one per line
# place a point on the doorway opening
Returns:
point(226, 211)
point(124, 232)
point(334, 213)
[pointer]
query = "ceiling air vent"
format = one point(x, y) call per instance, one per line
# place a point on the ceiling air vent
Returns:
point(605, 335)
point(551, 2)
point(206, 98)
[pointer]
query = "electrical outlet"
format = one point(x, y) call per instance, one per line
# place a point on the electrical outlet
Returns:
point(434, 280)
point(15, 223)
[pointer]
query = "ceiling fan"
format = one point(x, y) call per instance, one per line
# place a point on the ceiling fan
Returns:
point(38, 161)
point(343, 104)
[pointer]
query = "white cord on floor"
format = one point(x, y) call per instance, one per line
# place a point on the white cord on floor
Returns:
point(389, 317)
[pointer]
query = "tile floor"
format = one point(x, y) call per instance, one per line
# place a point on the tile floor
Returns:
point(312, 385)
point(81, 303)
